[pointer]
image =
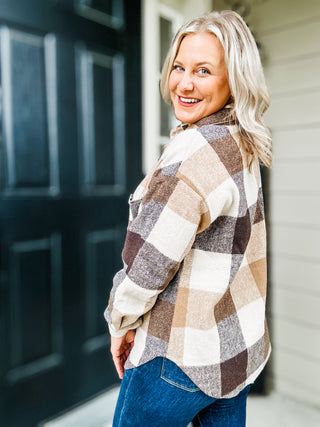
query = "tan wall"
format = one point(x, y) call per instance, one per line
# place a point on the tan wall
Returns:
point(289, 33)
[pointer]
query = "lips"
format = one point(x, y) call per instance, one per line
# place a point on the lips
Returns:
point(189, 102)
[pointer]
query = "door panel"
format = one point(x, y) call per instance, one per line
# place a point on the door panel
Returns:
point(101, 245)
point(70, 155)
point(101, 100)
point(28, 61)
point(35, 288)
point(107, 12)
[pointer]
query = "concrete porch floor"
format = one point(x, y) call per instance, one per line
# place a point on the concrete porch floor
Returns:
point(273, 410)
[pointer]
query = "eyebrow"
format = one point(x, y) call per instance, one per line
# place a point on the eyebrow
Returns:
point(198, 64)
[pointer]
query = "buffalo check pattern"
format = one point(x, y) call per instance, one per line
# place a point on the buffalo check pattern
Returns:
point(193, 282)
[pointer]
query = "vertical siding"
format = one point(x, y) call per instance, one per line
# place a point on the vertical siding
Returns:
point(289, 33)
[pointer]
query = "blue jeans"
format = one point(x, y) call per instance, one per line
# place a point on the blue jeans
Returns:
point(159, 393)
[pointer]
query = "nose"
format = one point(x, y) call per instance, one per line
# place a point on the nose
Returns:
point(186, 82)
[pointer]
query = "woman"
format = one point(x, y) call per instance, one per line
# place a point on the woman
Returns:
point(187, 311)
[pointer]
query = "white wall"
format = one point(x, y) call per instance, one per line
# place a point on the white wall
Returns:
point(189, 8)
point(289, 33)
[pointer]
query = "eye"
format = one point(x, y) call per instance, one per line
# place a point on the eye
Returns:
point(178, 67)
point(203, 71)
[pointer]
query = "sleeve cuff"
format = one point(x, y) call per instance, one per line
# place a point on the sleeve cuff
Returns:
point(117, 334)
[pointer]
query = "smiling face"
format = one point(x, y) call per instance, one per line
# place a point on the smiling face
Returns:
point(198, 82)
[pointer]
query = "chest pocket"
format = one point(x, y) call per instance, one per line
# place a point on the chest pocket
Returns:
point(134, 206)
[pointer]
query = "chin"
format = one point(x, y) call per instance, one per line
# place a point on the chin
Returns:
point(187, 117)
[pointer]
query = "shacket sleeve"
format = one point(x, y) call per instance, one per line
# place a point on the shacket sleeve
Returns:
point(160, 234)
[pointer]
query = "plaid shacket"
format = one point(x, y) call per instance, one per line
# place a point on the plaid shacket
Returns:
point(193, 283)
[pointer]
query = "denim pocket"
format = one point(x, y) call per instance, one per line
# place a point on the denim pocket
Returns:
point(173, 375)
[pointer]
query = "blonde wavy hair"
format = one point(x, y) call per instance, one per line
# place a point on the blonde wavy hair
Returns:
point(250, 98)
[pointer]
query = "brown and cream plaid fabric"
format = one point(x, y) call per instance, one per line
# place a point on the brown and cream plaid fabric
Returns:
point(194, 277)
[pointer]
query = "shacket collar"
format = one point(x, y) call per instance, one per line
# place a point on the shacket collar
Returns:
point(221, 117)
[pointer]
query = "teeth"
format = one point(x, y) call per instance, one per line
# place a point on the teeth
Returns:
point(189, 100)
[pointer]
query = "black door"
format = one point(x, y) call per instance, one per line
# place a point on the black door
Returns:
point(70, 154)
